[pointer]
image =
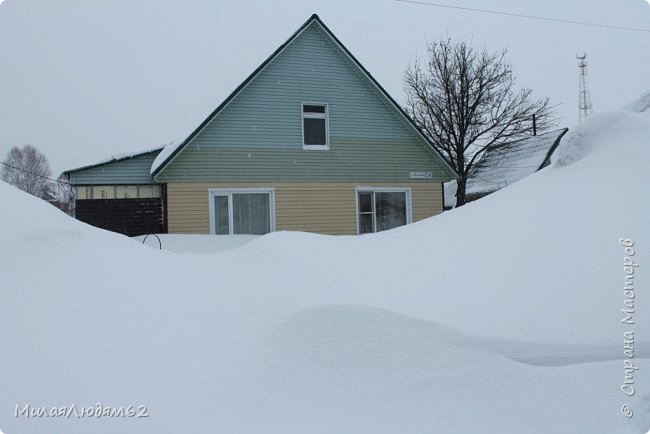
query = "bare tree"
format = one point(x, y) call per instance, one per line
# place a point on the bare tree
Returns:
point(65, 194)
point(465, 100)
point(27, 168)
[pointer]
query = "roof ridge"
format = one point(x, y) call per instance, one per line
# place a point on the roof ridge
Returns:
point(165, 158)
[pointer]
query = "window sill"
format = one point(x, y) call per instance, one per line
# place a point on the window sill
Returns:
point(316, 147)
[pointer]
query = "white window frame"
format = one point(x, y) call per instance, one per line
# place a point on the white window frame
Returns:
point(326, 116)
point(156, 192)
point(88, 192)
point(407, 190)
point(128, 186)
point(107, 188)
point(212, 192)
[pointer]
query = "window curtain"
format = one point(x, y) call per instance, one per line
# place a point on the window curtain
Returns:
point(390, 210)
point(251, 213)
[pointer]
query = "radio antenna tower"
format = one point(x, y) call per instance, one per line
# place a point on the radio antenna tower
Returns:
point(584, 101)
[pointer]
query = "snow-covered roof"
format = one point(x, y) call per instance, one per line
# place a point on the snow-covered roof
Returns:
point(506, 163)
point(117, 157)
point(509, 162)
point(166, 153)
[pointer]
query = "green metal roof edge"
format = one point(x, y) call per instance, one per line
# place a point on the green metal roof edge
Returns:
point(233, 94)
point(104, 163)
point(547, 159)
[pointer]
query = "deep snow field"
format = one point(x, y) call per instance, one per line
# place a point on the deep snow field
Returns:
point(194, 243)
point(502, 316)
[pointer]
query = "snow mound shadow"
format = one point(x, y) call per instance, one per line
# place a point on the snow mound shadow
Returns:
point(641, 105)
point(350, 335)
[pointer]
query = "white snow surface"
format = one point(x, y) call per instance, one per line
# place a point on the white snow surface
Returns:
point(186, 243)
point(502, 316)
point(580, 141)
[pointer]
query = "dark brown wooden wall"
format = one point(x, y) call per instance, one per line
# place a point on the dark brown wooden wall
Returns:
point(130, 217)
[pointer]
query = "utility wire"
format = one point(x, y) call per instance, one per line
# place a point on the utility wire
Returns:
point(35, 174)
point(531, 17)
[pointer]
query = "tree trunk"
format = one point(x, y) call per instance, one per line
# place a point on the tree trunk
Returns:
point(460, 192)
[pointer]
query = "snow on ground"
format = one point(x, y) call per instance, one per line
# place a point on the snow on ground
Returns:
point(195, 243)
point(595, 133)
point(502, 316)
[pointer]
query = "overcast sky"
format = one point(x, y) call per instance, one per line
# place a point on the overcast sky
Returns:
point(83, 79)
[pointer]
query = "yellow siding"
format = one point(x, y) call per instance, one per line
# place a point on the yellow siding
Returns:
point(321, 208)
point(328, 208)
point(426, 200)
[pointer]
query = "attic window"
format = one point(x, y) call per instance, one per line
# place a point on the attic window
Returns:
point(315, 128)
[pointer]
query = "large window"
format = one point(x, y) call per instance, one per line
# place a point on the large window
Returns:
point(315, 128)
point(241, 211)
point(380, 209)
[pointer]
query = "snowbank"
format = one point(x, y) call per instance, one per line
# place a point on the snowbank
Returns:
point(598, 131)
point(434, 327)
point(195, 243)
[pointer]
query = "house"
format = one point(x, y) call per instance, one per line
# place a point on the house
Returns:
point(308, 142)
point(119, 194)
point(503, 164)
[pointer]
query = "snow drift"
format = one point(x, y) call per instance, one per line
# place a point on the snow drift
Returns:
point(502, 316)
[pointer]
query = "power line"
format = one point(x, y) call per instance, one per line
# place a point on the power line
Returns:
point(35, 174)
point(530, 17)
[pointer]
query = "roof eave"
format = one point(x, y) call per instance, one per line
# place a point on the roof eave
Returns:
point(232, 95)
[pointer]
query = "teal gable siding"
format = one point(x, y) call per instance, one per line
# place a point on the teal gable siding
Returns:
point(258, 135)
point(133, 170)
